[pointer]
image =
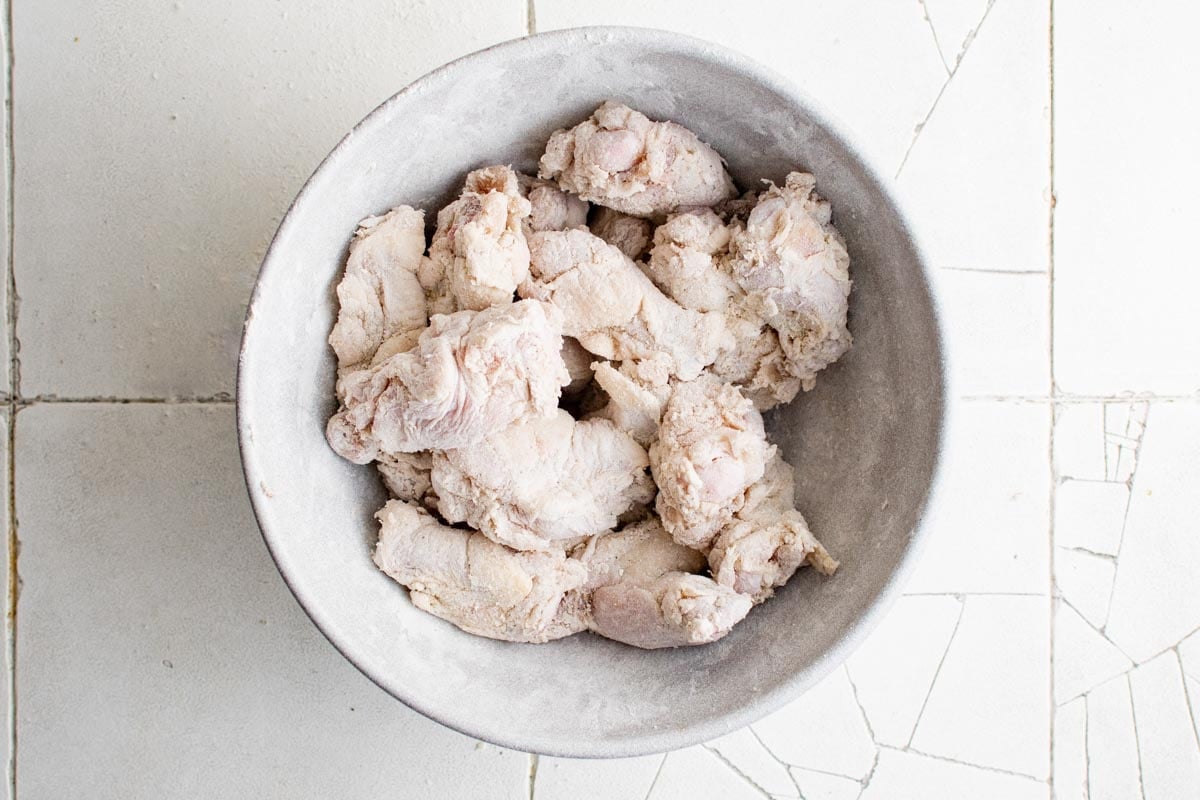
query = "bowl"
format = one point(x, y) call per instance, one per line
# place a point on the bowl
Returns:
point(865, 441)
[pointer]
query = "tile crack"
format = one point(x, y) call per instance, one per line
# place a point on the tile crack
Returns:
point(997, 770)
point(933, 31)
point(945, 85)
point(734, 769)
point(933, 683)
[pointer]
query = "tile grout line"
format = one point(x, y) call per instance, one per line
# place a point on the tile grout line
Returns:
point(14, 381)
point(533, 768)
point(1052, 608)
point(216, 399)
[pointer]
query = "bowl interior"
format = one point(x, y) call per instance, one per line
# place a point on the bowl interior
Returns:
point(864, 441)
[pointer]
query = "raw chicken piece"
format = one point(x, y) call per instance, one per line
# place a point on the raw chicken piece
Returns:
point(687, 261)
point(793, 265)
point(550, 208)
point(615, 311)
point(620, 159)
point(543, 481)
point(639, 553)
point(470, 373)
point(480, 586)
point(630, 235)
point(406, 476)
point(756, 361)
point(379, 295)
point(478, 254)
point(675, 610)
point(633, 406)
point(642, 592)
point(579, 366)
point(768, 540)
point(711, 447)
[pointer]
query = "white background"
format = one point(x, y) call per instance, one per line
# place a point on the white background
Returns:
point(1047, 643)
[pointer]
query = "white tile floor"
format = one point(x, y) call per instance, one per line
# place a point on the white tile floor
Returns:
point(1048, 644)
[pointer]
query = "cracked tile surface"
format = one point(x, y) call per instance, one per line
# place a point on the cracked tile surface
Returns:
point(1057, 591)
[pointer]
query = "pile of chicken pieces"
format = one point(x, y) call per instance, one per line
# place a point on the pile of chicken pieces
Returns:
point(563, 392)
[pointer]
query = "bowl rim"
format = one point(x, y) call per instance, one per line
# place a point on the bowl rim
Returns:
point(649, 741)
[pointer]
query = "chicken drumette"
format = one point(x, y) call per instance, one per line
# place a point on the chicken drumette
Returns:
point(620, 159)
point(469, 374)
point(711, 447)
point(543, 481)
point(480, 586)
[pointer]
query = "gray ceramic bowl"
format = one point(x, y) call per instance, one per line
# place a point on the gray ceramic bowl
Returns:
point(865, 441)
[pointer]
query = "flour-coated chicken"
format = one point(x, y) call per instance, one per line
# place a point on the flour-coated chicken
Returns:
point(621, 159)
point(631, 235)
point(480, 586)
point(470, 374)
point(614, 310)
point(768, 539)
point(793, 265)
point(543, 481)
point(407, 476)
point(642, 590)
point(711, 447)
point(379, 295)
point(478, 254)
point(635, 406)
point(550, 208)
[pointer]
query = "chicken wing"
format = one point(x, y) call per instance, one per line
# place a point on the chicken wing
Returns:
point(642, 591)
point(633, 405)
point(793, 265)
point(550, 208)
point(480, 586)
point(768, 540)
point(478, 254)
point(543, 481)
point(407, 476)
point(379, 295)
point(620, 159)
point(711, 447)
point(469, 374)
point(614, 310)
point(687, 261)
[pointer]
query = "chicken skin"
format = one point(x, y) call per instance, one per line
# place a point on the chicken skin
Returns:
point(643, 592)
point(407, 476)
point(480, 586)
point(794, 267)
point(478, 254)
point(380, 296)
point(620, 159)
point(543, 481)
point(469, 374)
point(614, 310)
point(550, 208)
point(633, 405)
point(768, 540)
point(711, 447)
